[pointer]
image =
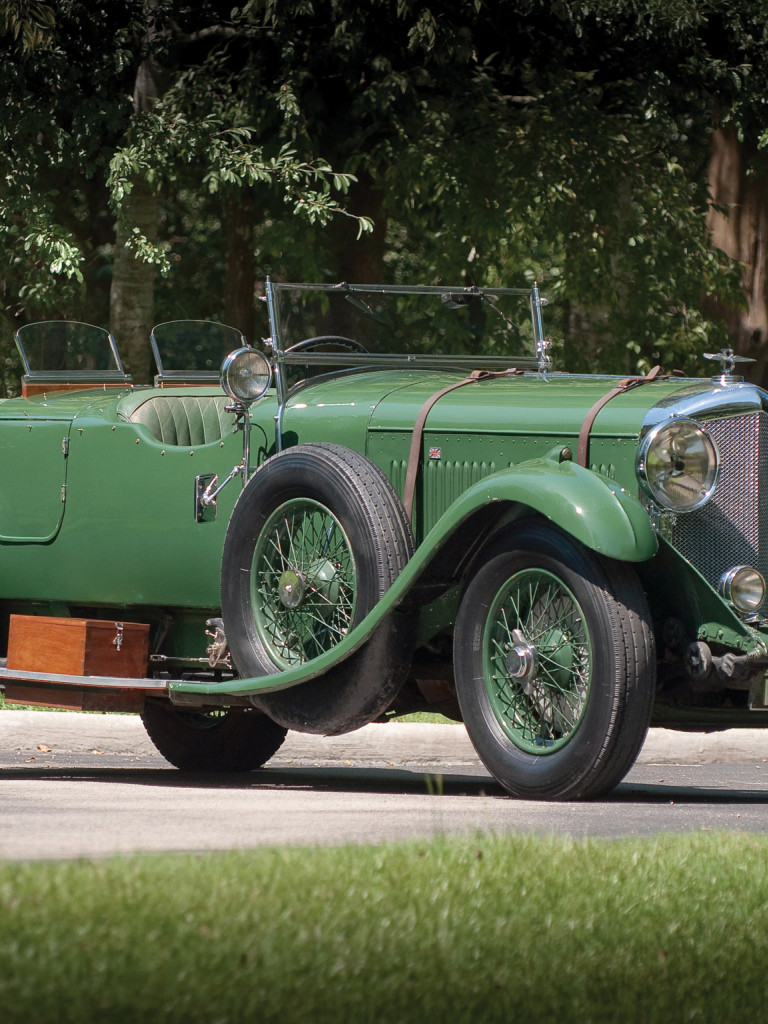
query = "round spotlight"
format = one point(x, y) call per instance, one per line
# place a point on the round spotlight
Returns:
point(744, 587)
point(245, 375)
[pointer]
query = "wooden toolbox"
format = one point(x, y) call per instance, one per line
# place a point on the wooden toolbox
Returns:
point(78, 647)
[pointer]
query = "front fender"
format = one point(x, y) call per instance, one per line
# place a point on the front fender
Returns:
point(594, 510)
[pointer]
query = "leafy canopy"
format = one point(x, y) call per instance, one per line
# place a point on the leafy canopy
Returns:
point(570, 147)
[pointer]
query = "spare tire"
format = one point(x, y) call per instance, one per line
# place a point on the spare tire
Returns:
point(315, 540)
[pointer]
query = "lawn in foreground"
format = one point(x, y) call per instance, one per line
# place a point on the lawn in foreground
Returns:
point(454, 930)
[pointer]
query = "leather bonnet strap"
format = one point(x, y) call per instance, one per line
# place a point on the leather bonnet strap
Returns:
point(412, 471)
point(625, 385)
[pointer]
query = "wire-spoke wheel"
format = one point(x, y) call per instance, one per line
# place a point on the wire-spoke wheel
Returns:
point(315, 540)
point(554, 665)
point(304, 582)
point(538, 661)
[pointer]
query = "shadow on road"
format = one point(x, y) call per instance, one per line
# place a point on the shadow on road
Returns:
point(343, 778)
point(356, 778)
point(672, 794)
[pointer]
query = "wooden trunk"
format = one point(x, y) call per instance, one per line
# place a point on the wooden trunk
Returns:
point(78, 647)
point(74, 698)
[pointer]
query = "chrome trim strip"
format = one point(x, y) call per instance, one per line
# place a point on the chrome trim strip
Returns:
point(703, 401)
point(89, 682)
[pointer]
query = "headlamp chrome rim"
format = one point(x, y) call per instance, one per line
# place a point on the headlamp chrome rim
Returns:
point(245, 375)
point(666, 452)
point(744, 587)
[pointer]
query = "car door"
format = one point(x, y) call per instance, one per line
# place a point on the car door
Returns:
point(32, 479)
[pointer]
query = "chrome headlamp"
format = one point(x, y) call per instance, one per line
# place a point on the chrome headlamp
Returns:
point(744, 587)
point(245, 375)
point(677, 465)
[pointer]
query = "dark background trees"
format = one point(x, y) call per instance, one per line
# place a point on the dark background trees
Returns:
point(161, 157)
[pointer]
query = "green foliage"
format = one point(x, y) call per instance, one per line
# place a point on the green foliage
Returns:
point(572, 151)
point(165, 142)
point(74, 144)
point(411, 141)
point(29, 22)
point(63, 106)
point(593, 185)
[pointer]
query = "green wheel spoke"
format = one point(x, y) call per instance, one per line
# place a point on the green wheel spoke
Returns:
point(541, 707)
point(304, 582)
point(274, 543)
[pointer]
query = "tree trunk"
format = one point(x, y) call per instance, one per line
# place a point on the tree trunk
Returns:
point(738, 181)
point(357, 260)
point(361, 260)
point(240, 272)
point(132, 296)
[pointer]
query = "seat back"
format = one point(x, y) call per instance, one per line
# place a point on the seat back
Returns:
point(184, 420)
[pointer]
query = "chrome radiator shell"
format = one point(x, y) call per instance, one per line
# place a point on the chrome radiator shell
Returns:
point(732, 528)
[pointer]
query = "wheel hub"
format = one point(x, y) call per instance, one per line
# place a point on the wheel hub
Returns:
point(321, 579)
point(521, 660)
point(291, 589)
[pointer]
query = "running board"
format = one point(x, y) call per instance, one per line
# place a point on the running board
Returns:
point(101, 693)
point(79, 693)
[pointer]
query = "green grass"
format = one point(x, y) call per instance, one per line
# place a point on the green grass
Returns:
point(427, 717)
point(475, 930)
point(7, 706)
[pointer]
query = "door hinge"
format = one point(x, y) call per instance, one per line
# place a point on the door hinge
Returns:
point(65, 446)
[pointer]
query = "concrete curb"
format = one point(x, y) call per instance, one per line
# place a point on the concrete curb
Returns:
point(389, 743)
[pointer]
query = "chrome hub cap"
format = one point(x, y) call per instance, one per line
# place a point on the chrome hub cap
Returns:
point(291, 589)
point(521, 659)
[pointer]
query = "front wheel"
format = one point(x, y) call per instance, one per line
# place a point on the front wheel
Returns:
point(554, 665)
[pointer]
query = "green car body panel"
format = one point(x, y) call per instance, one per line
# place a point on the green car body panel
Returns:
point(482, 432)
point(116, 508)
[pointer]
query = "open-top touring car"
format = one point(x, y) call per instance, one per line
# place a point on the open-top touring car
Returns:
point(384, 510)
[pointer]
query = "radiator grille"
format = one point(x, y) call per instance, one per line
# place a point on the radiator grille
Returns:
point(732, 528)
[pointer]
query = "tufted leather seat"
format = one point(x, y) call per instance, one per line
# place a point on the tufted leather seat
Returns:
point(186, 420)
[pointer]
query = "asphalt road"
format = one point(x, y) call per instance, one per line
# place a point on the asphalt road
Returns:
point(87, 785)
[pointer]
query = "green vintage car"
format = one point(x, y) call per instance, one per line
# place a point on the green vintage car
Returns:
point(387, 507)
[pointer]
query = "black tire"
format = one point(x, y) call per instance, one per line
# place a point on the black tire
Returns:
point(230, 740)
point(349, 539)
point(555, 665)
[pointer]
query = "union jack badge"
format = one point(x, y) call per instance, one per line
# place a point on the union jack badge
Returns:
point(435, 453)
